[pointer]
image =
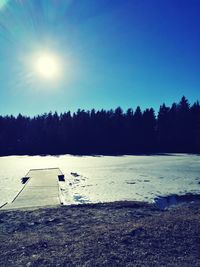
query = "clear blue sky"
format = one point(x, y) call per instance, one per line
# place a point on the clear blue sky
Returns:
point(114, 53)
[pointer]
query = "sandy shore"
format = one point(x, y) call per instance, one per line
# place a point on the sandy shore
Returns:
point(111, 234)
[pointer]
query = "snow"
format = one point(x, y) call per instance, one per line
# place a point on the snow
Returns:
point(107, 178)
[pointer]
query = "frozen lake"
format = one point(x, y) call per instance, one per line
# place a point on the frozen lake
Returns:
point(107, 178)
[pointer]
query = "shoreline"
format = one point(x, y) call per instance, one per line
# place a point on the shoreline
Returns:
point(160, 203)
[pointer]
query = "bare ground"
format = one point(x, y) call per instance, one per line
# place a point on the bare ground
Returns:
point(111, 234)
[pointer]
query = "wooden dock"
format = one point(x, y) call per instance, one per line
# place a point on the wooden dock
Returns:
point(41, 188)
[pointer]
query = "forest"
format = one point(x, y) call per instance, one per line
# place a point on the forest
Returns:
point(174, 129)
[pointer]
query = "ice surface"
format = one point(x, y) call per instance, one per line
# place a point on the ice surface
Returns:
point(107, 178)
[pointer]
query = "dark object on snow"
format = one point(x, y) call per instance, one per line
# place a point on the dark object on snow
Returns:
point(61, 178)
point(24, 179)
point(75, 174)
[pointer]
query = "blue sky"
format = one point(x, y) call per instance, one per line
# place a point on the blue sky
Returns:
point(114, 53)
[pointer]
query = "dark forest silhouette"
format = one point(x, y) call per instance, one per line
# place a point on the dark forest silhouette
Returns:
point(174, 129)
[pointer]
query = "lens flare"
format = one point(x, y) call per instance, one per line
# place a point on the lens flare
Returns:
point(3, 3)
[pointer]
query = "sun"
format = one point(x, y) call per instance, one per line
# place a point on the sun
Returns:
point(47, 66)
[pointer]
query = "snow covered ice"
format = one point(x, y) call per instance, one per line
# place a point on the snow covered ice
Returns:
point(91, 179)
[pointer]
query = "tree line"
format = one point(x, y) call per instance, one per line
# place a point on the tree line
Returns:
point(174, 129)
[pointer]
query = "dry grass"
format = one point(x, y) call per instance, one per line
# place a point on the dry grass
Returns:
point(112, 234)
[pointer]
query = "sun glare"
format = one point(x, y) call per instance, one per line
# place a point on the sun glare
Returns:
point(47, 66)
